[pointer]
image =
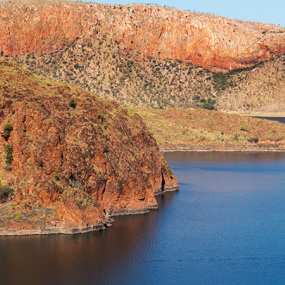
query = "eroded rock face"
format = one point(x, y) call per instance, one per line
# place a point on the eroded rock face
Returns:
point(213, 42)
point(76, 155)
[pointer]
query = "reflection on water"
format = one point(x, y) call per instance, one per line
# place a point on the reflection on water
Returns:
point(225, 226)
point(95, 258)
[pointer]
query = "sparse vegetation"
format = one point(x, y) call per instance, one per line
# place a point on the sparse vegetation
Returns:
point(134, 80)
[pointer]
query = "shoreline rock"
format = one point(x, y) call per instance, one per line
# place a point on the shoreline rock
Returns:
point(88, 229)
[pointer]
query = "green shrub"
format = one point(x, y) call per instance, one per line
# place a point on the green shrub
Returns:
point(18, 216)
point(72, 103)
point(208, 106)
point(101, 118)
point(41, 163)
point(255, 140)
point(105, 149)
point(9, 154)
point(169, 170)
point(196, 97)
point(76, 65)
point(6, 193)
point(42, 223)
point(7, 130)
point(220, 80)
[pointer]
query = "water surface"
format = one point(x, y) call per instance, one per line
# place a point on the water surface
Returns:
point(225, 226)
point(277, 119)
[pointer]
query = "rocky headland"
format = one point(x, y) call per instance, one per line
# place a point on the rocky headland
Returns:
point(71, 160)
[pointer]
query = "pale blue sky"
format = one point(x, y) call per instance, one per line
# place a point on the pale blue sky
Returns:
point(270, 11)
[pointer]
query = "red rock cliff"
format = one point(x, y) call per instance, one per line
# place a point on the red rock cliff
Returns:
point(76, 155)
point(211, 41)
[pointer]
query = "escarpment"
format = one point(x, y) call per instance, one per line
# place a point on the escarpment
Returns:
point(213, 42)
point(70, 159)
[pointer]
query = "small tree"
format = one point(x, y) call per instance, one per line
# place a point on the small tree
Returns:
point(72, 103)
point(6, 193)
point(7, 130)
point(9, 154)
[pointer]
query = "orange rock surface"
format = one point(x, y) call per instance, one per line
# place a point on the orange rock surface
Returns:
point(86, 163)
point(213, 42)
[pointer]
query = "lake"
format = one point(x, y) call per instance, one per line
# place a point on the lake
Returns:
point(277, 119)
point(226, 225)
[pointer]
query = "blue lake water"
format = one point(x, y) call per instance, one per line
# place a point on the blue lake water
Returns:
point(226, 225)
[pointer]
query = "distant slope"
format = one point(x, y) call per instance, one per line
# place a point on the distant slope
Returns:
point(260, 90)
point(203, 129)
point(214, 42)
point(114, 51)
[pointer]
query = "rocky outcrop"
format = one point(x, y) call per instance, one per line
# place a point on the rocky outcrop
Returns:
point(75, 159)
point(214, 42)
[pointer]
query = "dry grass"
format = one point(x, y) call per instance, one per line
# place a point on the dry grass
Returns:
point(203, 129)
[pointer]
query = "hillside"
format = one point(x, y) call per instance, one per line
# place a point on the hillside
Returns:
point(210, 41)
point(192, 129)
point(101, 66)
point(82, 44)
point(259, 90)
point(69, 160)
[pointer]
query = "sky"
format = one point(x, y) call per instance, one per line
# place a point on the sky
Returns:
point(269, 11)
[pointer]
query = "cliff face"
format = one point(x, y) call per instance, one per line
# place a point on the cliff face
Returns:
point(76, 158)
point(214, 42)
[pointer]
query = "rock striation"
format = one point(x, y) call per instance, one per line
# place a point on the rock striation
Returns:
point(213, 42)
point(75, 159)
